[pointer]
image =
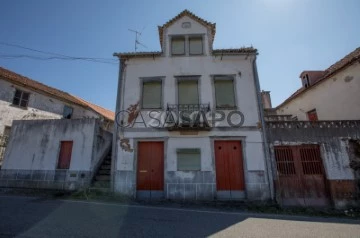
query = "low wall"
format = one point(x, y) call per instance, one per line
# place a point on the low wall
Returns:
point(32, 153)
point(333, 137)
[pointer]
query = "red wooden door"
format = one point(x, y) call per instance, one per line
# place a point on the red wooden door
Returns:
point(301, 176)
point(65, 154)
point(150, 168)
point(229, 166)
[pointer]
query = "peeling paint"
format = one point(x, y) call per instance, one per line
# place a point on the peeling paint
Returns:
point(133, 112)
point(125, 145)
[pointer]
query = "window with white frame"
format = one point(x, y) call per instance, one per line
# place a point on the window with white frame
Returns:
point(178, 45)
point(21, 98)
point(152, 94)
point(224, 92)
point(188, 159)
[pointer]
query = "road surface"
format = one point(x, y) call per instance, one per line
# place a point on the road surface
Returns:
point(40, 217)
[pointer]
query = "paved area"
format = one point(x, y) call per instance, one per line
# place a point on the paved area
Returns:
point(39, 217)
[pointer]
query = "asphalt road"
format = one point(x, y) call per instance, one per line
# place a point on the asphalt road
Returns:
point(39, 217)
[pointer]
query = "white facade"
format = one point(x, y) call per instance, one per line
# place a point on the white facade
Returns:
point(189, 184)
point(335, 98)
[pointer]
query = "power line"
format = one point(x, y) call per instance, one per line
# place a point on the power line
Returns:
point(56, 55)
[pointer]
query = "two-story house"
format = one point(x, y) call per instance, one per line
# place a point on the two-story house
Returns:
point(332, 94)
point(188, 122)
point(22, 98)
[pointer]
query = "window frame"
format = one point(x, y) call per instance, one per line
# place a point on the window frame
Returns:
point(72, 111)
point(188, 151)
point(313, 111)
point(180, 79)
point(202, 44)
point(143, 80)
point(229, 77)
point(171, 44)
point(22, 92)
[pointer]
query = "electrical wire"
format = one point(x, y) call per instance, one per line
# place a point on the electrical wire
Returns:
point(55, 56)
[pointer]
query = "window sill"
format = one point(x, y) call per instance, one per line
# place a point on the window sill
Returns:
point(226, 108)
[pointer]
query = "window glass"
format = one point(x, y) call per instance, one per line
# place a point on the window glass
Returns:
point(68, 111)
point(21, 98)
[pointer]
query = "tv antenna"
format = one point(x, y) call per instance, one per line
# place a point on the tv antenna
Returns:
point(137, 36)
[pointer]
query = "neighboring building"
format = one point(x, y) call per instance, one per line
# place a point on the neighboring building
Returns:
point(158, 153)
point(332, 94)
point(22, 98)
point(55, 154)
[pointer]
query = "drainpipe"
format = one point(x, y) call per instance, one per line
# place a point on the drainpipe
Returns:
point(116, 128)
point(263, 127)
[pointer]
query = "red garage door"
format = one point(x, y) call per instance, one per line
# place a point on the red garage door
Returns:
point(301, 178)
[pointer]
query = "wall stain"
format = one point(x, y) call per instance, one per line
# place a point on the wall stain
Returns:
point(348, 79)
point(125, 145)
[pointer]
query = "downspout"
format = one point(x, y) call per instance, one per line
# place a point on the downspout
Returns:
point(114, 151)
point(263, 134)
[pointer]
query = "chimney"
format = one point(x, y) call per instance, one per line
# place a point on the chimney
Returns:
point(266, 99)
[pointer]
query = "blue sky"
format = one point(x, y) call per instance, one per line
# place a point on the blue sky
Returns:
point(291, 36)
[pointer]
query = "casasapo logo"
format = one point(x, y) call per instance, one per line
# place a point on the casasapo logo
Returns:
point(179, 118)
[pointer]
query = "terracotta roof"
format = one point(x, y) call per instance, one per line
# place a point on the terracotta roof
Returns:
point(37, 86)
point(110, 115)
point(238, 50)
point(339, 65)
point(138, 54)
point(186, 12)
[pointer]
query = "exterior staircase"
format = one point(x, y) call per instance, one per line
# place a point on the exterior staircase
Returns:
point(102, 178)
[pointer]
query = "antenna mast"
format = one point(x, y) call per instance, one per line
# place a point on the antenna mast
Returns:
point(137, 42)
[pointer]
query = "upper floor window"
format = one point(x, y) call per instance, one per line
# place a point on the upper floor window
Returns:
point(312, 115)
point(178, 45)
point(68, 111)
point(21, 98)
point(188, 92)
point(151, 94)
point(195, 45)
point(187, 45)
point(224, 92)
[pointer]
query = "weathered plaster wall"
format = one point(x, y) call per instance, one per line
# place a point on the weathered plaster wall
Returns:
point(333, 138)
point(40, 106)
point(32, 154)
point(337, 98)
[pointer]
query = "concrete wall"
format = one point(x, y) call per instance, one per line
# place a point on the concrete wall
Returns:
point(31, 157)
point(333, 138)
point(336, 98)
point(40, 106)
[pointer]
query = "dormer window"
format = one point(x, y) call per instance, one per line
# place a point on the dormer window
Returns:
point(306, 81)
point(178, 45)
point(187, 45)
point(195, 45)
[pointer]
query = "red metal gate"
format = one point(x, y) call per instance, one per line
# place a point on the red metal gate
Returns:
point(301, 177)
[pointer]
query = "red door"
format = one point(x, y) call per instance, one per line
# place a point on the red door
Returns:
point(150, 168)
point(229, 167)
point(65, 154)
